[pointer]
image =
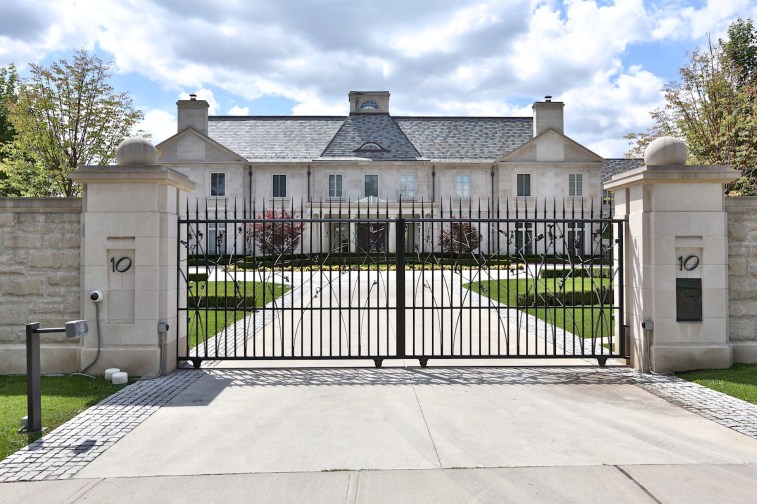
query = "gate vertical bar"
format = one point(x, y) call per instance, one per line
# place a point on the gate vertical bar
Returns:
point(621, 230)
point(400, 280)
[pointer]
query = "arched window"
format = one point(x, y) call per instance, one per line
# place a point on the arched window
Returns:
point(369, 105)
point(370, 147)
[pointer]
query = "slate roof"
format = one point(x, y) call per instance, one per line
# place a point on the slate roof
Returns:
point(276, 138)
point(297, 138)
point(466, 138)
point(614, 166)
point(381, 129)
point(305, 138)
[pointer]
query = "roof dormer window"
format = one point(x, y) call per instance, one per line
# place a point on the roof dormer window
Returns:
point(368, 105)
point(369, 102)
point(370, 147)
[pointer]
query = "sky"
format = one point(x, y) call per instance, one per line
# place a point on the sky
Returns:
point(606, 60)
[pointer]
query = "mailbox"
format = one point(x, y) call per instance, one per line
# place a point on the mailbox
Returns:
point(688, 299)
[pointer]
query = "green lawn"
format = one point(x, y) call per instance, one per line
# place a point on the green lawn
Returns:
point(222, 298)
point(507, 291)
point(63, 397)
point(257, 293)
point(583, 322)
point(205, 324)
point(740, 381)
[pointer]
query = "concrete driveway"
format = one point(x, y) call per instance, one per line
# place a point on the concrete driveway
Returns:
point(479, 434)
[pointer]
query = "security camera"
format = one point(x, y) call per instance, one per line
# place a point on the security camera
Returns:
point(96, 296)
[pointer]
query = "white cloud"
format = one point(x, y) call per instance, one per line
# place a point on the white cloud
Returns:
point(610, 106)
point(238, 111)
point(204, 94)
point(714, 17)
point(585, 38)
point(443, 37)
point(159, 124)
point(313, 105)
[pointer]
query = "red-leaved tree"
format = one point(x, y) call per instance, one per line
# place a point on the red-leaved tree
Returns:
point(460, 237)
point(277, 235)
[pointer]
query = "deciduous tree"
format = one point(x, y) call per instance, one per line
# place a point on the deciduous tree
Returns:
point(8, 94)
point(712, 108)
point(66, 115)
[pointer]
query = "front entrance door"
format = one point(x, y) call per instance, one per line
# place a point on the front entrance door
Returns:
point(371, 237)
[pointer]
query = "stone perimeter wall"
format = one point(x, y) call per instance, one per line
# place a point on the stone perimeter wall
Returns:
point(742, 268)
point(40, 241)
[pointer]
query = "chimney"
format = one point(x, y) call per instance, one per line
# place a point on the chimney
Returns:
point(193, 113)
point(548, 115)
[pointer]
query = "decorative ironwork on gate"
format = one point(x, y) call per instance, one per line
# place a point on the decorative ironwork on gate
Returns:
point(375, 280)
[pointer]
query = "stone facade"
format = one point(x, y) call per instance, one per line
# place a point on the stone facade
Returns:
point(742, 277)
point(421, 165)
point(40, 241)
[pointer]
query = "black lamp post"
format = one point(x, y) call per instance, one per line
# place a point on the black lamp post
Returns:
point(72, 329)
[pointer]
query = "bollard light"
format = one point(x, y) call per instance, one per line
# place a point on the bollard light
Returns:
point(73, 329)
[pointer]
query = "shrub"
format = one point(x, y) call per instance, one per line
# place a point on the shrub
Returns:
point(576, 273)
point(461, 237)
point(567, 298)
point(276, 236)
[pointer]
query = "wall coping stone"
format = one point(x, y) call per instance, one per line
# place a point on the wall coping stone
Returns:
point(40, 205)
point(741, 204)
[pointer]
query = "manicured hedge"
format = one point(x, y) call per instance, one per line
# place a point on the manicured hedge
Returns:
point(221, 301)
point(576, 273)
point(567, 298)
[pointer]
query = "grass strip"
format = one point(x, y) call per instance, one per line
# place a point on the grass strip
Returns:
point(740, 381)
point(63, 397)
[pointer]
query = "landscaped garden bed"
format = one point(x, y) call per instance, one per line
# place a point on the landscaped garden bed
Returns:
point(217, 305)
point(578, 301)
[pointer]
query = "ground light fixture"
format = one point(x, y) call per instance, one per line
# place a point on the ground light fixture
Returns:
point(73, 329)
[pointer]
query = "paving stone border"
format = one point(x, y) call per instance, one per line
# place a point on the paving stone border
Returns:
point(733, 413)
point(66, 450)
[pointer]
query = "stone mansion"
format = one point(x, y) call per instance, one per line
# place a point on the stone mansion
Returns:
point(370, 159)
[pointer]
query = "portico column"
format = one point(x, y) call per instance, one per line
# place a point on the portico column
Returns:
point(676, 260)
point(129, 253)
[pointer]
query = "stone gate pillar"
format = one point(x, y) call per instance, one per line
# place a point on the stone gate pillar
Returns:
point(676, 260)
point(129, 253)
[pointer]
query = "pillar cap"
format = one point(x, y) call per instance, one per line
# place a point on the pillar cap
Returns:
point(666, 151)
point(136, 151)
point(673, 174)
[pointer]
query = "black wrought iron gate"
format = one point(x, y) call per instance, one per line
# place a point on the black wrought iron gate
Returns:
point(374, 281)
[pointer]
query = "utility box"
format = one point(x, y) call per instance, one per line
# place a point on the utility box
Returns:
point(688, 299)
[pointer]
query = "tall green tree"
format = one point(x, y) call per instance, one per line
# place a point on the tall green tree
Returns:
point(712, 108)
point(8, 94)
point(66, 115)
point(741, 49)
